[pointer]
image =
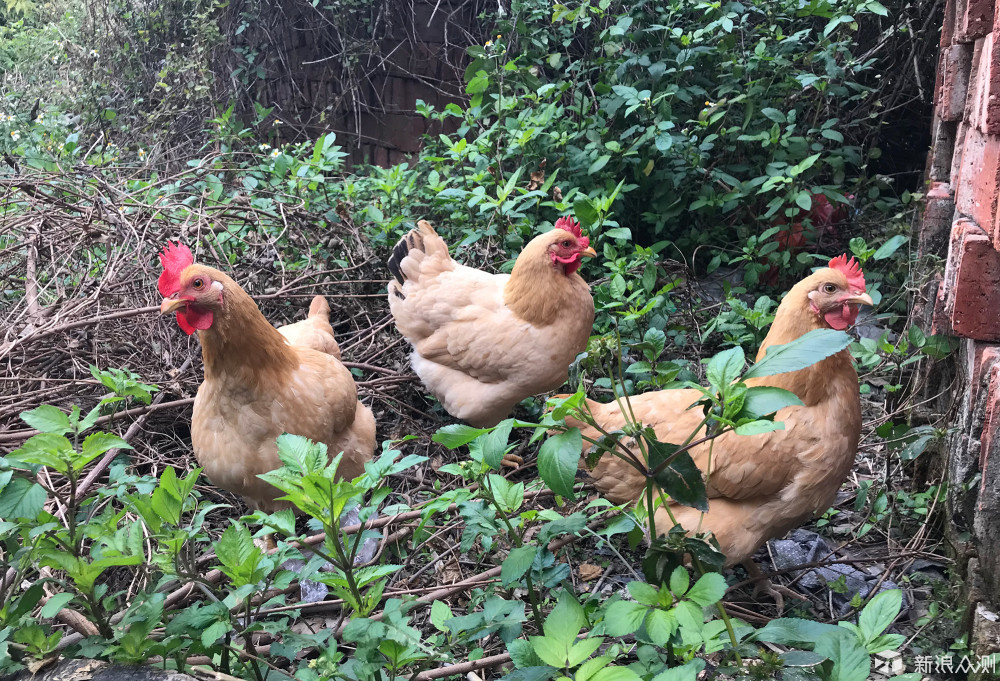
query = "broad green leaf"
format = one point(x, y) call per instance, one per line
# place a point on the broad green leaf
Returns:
point(558, 459)
point(47, 419)
point(680, 581)
point(516, 564)
point(622, 618)
point(581, 650)
point(802, 352)
point(644, 593)
point(879, 613)
point(681, 479)
point(758, 427)
point(615, 673)
point(440, 613)
point(708, 590)
point(98, 443)
point(804, 200)
point(495, 444)
point(534, 673)
point(22, 499)
point(591, 667)
point(550, 651)
point(55, 604)
point(725, 367)
point(762, 400)
point(660, 626)
point(585, 211)
point(688, 672)
point(889, 247)
point(456, 435)
point(850, 660)
point(793, 631)
point(566, 619)
point(598, 164)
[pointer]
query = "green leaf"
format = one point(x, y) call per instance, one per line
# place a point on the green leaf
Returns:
point(550, 651)
point(55, 604)
point(889, 247)
point(558, 459)
point(688, 672)
point(725, 367)
point(660, 626)
point(622, 618)
point(804, 200)
point(644, 593)
point(535, 673)
point(681, 479)
point(598, 164)
point(802, 352)
point(850, 660)
point(680, 580)
point(773, 114)
point(98, 443)
point(440, 613)
point(877, 8)
point(585, 211)
point(516, 564)
point(758, 427)
point(566, 619)
point(457, 434)
point(763, 400)
point(793, 631)
point(879, 613)
point(708, 590)
point(619, 233)
point(495, 444)
point(615, 673)
point(47, 419)
point(22, 499)
point(581, 650)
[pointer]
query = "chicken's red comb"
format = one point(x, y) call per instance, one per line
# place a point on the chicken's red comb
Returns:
point(851, 270)
point(174, 257)
point(570, 225)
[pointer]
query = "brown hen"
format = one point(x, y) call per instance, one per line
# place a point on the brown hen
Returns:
point(259, 385)
point(761, 486)
point(483, 342)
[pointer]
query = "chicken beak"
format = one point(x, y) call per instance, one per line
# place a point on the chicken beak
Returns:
point(861, 299)
point(588, 252)
point(171, 305)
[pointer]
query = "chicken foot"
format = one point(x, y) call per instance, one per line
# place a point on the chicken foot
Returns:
point(763, 585)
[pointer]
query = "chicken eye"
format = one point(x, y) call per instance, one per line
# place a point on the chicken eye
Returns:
point(566, 244)
point(198, 284)
point(829, 288)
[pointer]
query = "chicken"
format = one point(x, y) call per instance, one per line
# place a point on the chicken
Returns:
point(760, 486)
point(484, 342)
point(259, 385)
point(314, 331)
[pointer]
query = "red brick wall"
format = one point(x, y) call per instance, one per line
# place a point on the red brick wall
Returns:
point(961, 226)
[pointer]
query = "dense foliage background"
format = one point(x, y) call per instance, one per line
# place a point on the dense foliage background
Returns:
point(714, 152)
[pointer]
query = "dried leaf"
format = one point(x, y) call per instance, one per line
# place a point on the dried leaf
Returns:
point(589, 572)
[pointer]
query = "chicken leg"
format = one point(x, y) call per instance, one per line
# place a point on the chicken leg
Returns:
point(763, 585)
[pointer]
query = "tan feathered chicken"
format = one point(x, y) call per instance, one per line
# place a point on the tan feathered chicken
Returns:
point(762, 486)
point(258, 385)
point(484, 342)
point(314, 331)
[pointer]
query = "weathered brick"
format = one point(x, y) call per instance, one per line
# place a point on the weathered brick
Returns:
point(983, 101)
point(948, 24)
point(935, 224)
point(955, 66)
point(975, 294)
point(973, 19)
point(942, 148)
point(978, 181)
point(954, 172)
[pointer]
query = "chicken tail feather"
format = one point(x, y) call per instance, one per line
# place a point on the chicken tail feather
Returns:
point(424, 239)
point(319, 308)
